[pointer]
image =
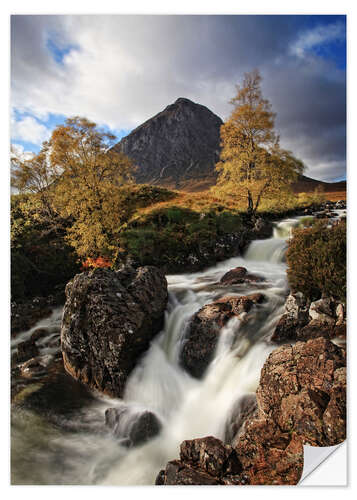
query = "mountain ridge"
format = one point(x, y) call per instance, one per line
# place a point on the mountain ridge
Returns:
point(178, 148)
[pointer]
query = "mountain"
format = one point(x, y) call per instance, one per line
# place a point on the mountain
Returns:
point(179, 147)
point(176, 147)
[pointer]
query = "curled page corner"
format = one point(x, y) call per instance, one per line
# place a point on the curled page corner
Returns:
point(314, 456)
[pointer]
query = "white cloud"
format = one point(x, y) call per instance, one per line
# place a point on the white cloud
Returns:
point(18, 151)
point(317, 36)
point(125, 69)
point(28, 129)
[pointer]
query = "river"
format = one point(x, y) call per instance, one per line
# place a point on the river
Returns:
point(45, 451)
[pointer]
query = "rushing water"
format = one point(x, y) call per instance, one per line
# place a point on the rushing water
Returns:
point(48, 453)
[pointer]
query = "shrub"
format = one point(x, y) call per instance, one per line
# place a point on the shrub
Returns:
point(41, 260)
point(316, 260)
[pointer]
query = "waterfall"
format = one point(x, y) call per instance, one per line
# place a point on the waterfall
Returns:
point(187, 408)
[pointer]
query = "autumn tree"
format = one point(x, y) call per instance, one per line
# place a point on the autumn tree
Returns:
point(91, 186)
point(35, 175)
point(252, 163)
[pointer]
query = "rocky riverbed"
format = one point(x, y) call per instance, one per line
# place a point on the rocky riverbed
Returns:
point(198, 370)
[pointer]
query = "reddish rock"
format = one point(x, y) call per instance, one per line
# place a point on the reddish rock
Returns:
point(301, 400)
point(295, 388)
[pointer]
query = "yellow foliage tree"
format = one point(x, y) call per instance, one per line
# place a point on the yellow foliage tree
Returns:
point(252, 163)
point(90, 187)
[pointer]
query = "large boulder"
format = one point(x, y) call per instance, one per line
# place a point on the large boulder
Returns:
point(301, 399)
point(204, 328)
point(109, 319)
point(296, 386)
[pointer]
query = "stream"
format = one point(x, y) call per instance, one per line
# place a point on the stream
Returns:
point(76, 448)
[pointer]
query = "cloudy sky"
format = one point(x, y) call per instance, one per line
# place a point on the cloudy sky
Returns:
point(120, 70)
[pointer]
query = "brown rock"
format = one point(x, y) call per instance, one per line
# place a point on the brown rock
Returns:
point(239, 275)
point(203, 331)
point(295, 387)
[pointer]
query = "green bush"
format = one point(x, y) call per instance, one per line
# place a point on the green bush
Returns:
point(175, 237)
point(316, 260)
point(41, 260)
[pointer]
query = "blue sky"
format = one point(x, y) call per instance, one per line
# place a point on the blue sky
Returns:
point(120, 70)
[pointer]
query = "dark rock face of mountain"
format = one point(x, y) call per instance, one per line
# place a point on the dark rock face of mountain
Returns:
point(179, 144)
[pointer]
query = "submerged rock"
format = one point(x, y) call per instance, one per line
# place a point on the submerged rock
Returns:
point(133, 427)
point(109, 319)
point(204, 328)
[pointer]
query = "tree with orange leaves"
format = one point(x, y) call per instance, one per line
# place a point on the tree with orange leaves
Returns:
point(252, 163)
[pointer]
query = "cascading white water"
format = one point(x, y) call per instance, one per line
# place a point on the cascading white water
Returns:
point(188, 408)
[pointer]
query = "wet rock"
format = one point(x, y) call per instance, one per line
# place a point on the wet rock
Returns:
point(300, 400)
point(202, 461)
point(178, 473)
point(262, 229)
point(135, 427)
point(243, 411)
point(26, 350)
point(39, 334)
point(204, 328)
point(36, 367)
point(108, 322)
point(25, 315)
point(240, 275)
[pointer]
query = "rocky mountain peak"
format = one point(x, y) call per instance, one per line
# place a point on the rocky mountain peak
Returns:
point(179, 144)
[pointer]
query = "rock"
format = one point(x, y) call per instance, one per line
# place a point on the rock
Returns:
point(304, 321)
point(36, 367)
point(296, 387)
point(239, 275)
point(295, 317)
point(334, 417)
point(300, 400)
point(26, 350)
point(322, 311)
point(243, 410)
point(268, 456)
point(135, 427)
point(40, 333)
point(203, 330)
point(109, 319)
point(340, 314)
point(297, 306)
point(177, 473)
point(262, 229)
point(202, 461)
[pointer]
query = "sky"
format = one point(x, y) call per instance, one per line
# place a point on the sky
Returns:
point(120, 70)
